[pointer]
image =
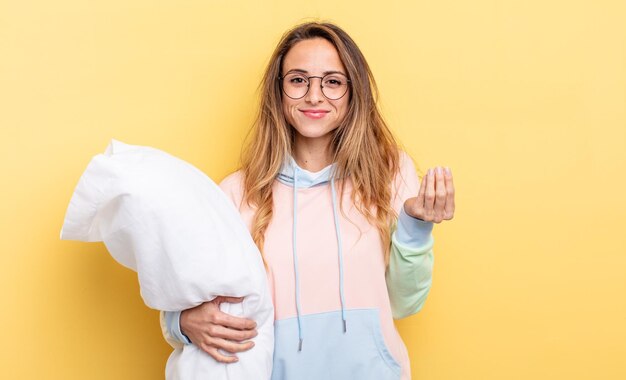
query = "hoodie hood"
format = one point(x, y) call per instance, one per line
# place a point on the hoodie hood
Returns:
point(305, 178)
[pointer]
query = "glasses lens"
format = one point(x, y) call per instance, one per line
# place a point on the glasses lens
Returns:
point(295, 85)
point(334, 86)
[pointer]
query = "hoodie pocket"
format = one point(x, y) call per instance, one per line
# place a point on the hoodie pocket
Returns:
point(329, 353)
point(385, 354)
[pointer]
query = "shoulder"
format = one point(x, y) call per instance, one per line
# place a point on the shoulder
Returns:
point(232, 180)
point(406, 171)
point(232, 186)
point(406, 181)
point(405, 162)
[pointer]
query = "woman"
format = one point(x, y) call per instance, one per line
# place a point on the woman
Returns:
point(322, 186)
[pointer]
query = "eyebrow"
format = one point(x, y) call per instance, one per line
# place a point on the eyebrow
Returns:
point(324, 73)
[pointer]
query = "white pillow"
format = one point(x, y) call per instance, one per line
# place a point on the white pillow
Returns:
point(165, 219)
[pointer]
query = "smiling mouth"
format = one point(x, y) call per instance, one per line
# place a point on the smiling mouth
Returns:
point(314, 114)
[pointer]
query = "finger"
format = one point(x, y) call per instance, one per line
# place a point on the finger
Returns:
point(422, 190)
point(221, 299)
point(238, 323)
point(415, 206)
point(218, 331)
point(440, 194)
point(229, 346)
point(218, 356)
point(429, 196)
point(449, 209)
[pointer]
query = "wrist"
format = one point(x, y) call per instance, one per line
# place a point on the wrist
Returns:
point(412, 232)
point(181, 321)
point(408, 206)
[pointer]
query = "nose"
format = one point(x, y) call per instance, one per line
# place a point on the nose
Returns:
point(315, 95)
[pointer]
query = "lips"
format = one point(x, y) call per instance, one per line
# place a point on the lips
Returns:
point(314, 114)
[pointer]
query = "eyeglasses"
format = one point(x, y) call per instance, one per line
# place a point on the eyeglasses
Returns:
point(296, 85)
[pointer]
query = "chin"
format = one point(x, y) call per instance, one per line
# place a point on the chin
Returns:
point(314, 131)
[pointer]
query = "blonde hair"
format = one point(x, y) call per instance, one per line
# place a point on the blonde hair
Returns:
point(363, 147)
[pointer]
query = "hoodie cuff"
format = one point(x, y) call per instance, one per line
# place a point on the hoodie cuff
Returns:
point(412, 232)
point(172, 320)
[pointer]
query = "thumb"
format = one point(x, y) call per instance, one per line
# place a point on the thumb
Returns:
point(220, 299)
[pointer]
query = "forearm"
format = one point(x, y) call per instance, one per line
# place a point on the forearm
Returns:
point(409, 275)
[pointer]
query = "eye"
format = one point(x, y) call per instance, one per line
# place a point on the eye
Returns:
point(296, 79)
point(333, 82)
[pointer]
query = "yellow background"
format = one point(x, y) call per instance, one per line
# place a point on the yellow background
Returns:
point(525, 100)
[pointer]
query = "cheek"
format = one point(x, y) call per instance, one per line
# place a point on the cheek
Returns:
point(287, 111)
point(342, 110)
point(342, 105)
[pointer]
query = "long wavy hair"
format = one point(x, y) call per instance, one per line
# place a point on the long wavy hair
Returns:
point(363, 147)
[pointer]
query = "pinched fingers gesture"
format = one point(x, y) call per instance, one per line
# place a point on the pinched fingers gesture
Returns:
point(435, 199)
point(212, 330)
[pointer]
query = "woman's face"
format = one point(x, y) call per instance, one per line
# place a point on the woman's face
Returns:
point(314, 116)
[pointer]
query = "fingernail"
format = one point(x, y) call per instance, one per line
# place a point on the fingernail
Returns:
point(439, 171)
point(430, 172)
point(448, 170)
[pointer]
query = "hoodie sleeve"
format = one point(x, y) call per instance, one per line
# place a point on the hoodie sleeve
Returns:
point(170, 327)
point(409, 275)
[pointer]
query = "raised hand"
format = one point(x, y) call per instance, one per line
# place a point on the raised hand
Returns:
point(435, 199)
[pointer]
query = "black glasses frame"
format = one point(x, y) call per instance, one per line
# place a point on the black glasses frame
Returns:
point(308, 86)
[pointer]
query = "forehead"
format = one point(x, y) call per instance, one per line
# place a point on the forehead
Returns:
point(314, 56)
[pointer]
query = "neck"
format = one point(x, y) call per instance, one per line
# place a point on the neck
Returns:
point(312, 154)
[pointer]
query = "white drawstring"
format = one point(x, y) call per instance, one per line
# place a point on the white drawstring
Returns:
point(340, 247)
point(295, 255)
